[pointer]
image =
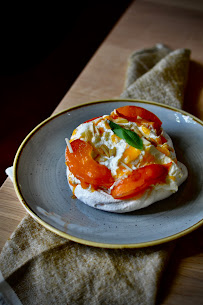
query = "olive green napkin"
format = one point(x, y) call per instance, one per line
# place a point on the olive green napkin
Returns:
point(164, 83)
point(39, 267)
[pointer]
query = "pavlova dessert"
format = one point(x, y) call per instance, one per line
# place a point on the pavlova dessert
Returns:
point(123, 161)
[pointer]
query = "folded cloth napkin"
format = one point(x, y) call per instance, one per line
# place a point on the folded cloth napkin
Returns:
point(39, 267)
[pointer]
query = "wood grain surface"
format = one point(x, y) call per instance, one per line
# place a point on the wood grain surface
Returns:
point(177, 24)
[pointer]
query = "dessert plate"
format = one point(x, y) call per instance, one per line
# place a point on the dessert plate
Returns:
point(41, 184)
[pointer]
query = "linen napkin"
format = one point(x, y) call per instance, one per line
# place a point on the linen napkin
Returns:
point(39, 267)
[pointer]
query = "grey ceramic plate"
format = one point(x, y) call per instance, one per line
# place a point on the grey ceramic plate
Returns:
point(41, 185)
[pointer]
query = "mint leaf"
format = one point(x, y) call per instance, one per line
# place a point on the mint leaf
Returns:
point(128, 135)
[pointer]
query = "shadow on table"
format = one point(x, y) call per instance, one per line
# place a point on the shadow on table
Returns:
point(43, 50)
point(193, 93)
point(187, 246)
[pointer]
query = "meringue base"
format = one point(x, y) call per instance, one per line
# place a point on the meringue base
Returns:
point(103, 201)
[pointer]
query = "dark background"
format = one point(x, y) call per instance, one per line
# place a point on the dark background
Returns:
point(42, 51)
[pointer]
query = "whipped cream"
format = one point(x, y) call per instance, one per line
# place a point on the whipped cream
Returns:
point(121, 159)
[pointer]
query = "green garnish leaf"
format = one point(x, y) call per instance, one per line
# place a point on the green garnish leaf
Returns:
point(128, 135)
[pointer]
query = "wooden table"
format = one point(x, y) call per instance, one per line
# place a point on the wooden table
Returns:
point(176, 23)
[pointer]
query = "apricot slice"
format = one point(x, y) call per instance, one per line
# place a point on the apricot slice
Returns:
point(84, 167)
point(131, 113)
point(139, 181)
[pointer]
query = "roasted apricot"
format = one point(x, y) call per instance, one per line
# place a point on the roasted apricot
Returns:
point(134, 113)
point(139, 181)
point(84, 167)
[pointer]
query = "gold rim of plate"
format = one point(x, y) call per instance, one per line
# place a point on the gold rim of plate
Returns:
point(80, 240)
